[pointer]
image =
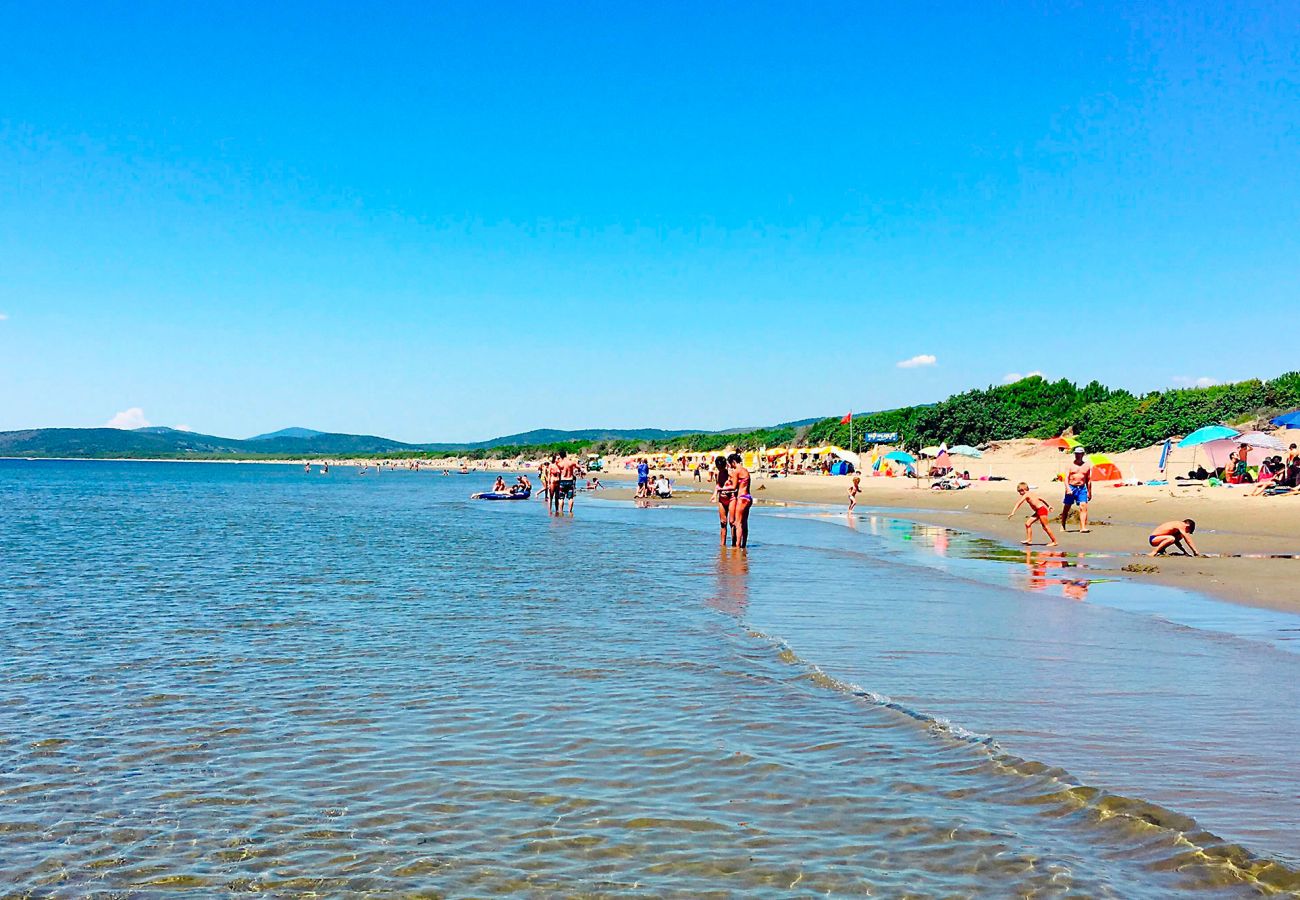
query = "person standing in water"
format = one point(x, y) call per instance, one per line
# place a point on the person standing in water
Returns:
point(854, 489)
point(567, 481)
point(723, 493)
point(740, 480)
point(553, 483)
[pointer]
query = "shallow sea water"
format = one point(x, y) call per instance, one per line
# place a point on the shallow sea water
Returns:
point(223, 678)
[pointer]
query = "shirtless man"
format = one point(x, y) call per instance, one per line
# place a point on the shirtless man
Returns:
point(566, 485)
point(1172, 534)
point(1078, 489)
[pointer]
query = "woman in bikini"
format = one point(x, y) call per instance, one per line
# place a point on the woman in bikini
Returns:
point(723, 492)
point(740, 479)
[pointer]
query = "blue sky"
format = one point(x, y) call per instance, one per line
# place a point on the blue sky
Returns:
point(451, 222)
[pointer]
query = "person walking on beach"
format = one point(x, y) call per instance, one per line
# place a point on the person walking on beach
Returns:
point(1078, 490)
point(855, 488)
point(740, 480)
point(1172, 534)
point(1039, 511)
point(723, 493)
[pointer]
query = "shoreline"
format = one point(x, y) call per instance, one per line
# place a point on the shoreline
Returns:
point(1241, 567)
point(1244, 536)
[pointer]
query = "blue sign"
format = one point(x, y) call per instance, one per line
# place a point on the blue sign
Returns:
point(880, 437)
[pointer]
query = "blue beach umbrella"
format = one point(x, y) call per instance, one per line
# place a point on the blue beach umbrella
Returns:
point(1207, 434)
point(900, 456)
point(1290, 420)
point(965, 450)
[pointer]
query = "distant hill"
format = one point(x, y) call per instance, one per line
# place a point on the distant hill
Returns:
point(554, 436)
point(288, 433)
point(157, 442)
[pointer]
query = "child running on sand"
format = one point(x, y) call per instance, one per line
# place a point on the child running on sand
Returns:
point(1172, 534)
point(854, 489)
point(1040, 513)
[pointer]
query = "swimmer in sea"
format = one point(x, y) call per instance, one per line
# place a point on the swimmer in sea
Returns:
point(1173, 534)
point(740, 479)
point(1039, 512)
point(723, 492)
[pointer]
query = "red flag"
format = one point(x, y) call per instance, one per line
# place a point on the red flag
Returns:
point(847, 419)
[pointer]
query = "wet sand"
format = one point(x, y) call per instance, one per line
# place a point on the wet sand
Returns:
point(1238, 533)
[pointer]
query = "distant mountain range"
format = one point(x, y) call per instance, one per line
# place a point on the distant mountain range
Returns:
point(160, 442)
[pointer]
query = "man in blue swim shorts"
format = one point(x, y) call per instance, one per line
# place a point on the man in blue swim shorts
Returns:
point(1078, 489)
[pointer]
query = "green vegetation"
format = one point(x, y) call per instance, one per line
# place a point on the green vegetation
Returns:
point(1105, 420)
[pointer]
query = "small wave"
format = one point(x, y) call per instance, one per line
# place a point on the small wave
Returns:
point(1194, 846)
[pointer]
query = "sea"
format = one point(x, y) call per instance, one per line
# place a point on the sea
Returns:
point(228, 678)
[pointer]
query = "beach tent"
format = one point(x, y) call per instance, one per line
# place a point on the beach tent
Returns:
point(964, 450)
point(1103, 469)
point(1219, 451)
point(1207, 434)
point(1290, 420)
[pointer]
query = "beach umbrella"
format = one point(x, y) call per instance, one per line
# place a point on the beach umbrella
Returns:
point(1061, 443)
point(900, 456)
point(1290, 420)
point(964, 450)
point(931, 451)
point(850, 456)
point(1164, 453)
point(1207, 434)
point(1259, 439)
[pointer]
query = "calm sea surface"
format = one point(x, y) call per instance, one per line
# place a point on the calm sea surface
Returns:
point(224, 678)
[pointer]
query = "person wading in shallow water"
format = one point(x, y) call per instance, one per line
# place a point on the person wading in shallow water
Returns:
point(740, 480)
point(723, 493)
point(566, 484)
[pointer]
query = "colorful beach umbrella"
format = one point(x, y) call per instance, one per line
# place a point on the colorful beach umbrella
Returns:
point(965, 450)
point(1061, 443)
point(1207, 434)
point(1290, 420)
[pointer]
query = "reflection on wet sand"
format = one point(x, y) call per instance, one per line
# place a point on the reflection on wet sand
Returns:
point(1041, 564)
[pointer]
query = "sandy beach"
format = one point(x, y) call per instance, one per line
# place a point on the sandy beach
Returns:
point(1241, 536)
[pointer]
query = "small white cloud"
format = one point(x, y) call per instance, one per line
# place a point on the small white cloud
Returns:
point(1203, 382)
point(3, 316)
point(921, 359)
point(128, 418)
point(182, 428)
point(1013, 377)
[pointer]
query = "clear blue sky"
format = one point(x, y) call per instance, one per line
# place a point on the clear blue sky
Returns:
point(454, 222)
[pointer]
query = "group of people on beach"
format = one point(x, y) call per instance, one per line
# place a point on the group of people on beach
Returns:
point(1078, 492)
point(731, 492)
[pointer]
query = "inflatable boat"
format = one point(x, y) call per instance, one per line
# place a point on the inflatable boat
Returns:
point(501, 495)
